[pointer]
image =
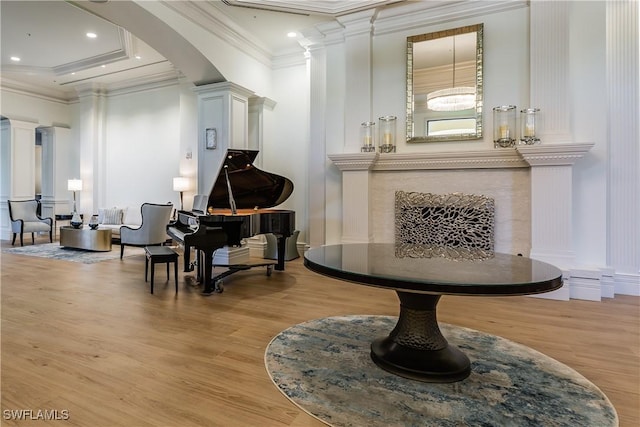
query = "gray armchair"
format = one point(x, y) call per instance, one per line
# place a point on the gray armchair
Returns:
point(25, 219)
point(152, 231)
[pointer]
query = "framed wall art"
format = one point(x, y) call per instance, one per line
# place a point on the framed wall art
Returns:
point(211, 138)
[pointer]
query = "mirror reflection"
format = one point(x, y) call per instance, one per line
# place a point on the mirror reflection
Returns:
point(444, 85)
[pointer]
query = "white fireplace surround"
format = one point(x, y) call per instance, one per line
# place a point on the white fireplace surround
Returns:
point(531, 185)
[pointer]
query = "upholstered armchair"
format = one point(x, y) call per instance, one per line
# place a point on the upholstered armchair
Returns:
point(25, 219)
point(152, 231)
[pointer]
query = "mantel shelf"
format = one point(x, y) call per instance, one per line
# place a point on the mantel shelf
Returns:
point(519, 157)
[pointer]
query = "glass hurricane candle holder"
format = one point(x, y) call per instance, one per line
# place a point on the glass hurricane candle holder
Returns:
point(504, 126)
point(93, 222)
point(76, 220)
point(529, 126)
point(367, 133)
point(387, 134)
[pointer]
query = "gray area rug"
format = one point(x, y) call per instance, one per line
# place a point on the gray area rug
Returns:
point(55, 251)
point(324, 367)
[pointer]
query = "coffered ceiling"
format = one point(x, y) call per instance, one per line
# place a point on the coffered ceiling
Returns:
point(56, 56)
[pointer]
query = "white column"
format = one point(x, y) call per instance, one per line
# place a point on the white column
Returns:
point(56, 155)
point(549, 58)
point(551, 205)
point(91, 156)
point(19, 157)
point(258, 106)
point(357, 226)
point(358, 75)
point(257, 117)
point(17, 168)
point(317, 161)
point(623, 251)
point(225, 108)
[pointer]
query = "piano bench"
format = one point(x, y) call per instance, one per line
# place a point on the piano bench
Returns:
point(160, 254)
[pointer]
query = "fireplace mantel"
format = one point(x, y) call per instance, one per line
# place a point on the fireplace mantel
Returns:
point(532, 187)
point(519, 157)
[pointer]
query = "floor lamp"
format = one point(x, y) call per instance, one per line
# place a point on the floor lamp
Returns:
point(74, 185)
point(181, 184)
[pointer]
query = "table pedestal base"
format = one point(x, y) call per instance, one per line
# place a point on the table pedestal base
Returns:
point(415, 348)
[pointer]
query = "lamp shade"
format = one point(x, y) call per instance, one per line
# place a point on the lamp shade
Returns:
point(74, 185)
point(180, 183)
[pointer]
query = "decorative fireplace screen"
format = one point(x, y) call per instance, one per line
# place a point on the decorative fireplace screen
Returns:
point(456, 225)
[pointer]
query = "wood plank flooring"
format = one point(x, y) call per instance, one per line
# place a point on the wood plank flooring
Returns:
point(92, 340)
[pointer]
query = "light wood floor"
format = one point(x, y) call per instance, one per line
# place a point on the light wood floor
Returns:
point(90, 339)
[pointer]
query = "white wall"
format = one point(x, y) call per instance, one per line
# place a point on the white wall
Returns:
point(18, 166)
point(286, 138)
point(589, 124)
point(506, 81)
point(39, 109)
point(142, 149)
point(505, 74)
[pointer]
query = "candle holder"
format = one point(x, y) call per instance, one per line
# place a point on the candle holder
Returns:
point(93, 222)
point(529, 126)
point(367, 135)
point(504, 126)
point(387, 134)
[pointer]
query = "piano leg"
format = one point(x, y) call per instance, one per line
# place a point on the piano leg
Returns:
point(187, 259)
point(281, 252)
point(207, 267)
point(199, 263)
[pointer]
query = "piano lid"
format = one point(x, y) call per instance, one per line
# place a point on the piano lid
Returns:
point(250, 186)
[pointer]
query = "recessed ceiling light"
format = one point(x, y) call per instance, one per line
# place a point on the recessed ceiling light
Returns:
point(103, 66)
point(292, 34)
point(138, 57)
point(92, 35)
point(15, 58)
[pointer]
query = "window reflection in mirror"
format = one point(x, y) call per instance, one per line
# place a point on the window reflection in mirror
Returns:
point(444, 85)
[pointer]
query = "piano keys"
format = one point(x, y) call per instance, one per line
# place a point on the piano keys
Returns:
point(240, 205)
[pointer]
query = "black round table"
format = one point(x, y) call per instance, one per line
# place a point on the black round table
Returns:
point(416, 348)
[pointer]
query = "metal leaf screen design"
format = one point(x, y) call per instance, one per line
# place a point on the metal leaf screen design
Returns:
point(456, 225)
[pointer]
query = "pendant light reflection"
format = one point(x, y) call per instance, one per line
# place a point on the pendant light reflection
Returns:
point(452, 98)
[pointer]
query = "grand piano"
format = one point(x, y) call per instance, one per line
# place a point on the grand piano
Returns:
point(239, 206)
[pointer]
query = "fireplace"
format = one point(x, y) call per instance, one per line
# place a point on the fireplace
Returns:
point(531, 186)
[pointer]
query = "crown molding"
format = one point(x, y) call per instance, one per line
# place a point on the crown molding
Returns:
point(289, 60)
point(216, 22)
point(354, 161)
point(46, 94)
point(412, 15)
point(148, 82)
point(481, 159)
point(95, 61)
point(306, 7)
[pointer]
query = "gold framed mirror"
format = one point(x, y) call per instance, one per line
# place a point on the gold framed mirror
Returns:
point(444, 85)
